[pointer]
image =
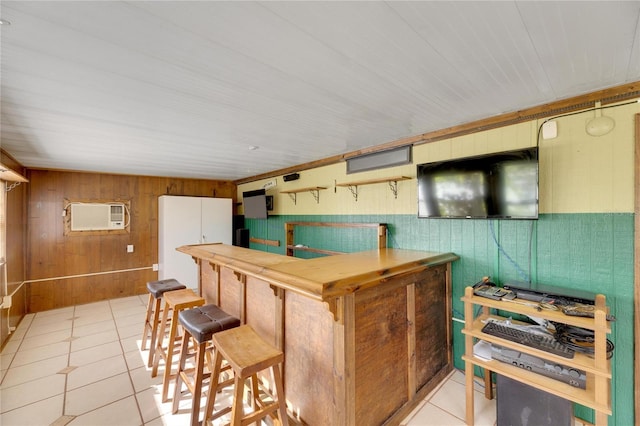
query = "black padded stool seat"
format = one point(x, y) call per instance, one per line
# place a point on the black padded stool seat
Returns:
point(158, 288)
point(203, 321)
point(200, 324)
point(152, 318)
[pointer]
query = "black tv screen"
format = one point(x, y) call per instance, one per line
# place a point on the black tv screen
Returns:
point(502, 185)
point(255, 204)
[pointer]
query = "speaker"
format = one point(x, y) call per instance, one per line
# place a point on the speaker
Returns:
point(242, 237)
point(519, 404)
point(292, 176)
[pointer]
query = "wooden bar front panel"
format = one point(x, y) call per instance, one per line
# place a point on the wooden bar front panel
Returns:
point(381, 355)
point(308, 348)
point(431, 352)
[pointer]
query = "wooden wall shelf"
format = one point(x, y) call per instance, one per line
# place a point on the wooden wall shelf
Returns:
point(392, 181)
point(314, 190)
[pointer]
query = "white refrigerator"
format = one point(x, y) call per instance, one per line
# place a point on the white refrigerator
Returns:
point(189, 220)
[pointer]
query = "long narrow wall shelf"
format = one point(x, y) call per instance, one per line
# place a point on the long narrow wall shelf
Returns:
point(392, 181)
point(314, 190)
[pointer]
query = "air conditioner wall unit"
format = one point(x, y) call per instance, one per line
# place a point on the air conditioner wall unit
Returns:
point(97, 216)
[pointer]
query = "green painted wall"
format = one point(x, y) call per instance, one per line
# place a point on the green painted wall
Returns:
point(588, 251)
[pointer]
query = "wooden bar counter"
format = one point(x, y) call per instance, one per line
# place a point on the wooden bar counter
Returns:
point(366, 335)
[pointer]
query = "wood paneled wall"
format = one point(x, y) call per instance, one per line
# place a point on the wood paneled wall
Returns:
point(54, 259)
point(16, 248)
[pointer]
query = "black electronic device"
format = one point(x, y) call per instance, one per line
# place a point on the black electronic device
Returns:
point(569, 375)
point(546, 293)
point(255, 204)
point(519, 404)
point(533, 340)
point(242, 238)
point(488, 289)
point(490, 292)
point(501, 185)
point(571, 302)
point(290, 177)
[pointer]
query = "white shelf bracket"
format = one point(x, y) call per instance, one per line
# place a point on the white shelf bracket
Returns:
point(316, 195)
point(294, 197)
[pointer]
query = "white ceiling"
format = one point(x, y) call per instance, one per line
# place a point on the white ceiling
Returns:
point(183, 89)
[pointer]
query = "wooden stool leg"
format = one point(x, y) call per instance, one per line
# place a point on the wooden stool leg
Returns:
point(282, 410)
point(166, 378)
point(159, 340)
point(237, 410)
point(197, 390)
point(154, 331)
point(213, 387)
point(255, 395)
point(148, 327)
point(177, 392)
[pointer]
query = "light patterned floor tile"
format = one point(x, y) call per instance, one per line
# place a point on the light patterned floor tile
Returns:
point(27, 393)
point(45, 339)
point(122, 413)
point(95, 353)
point(24, 357)
point(45, 328)
point(44, 412)
point(87, 398)
point(91, 318)
point(33, 371)
point(430, 415)
point(94, 340)
point(93, 328)
point(91, 373)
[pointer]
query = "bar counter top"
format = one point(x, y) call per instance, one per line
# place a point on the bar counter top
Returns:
point(321, 278)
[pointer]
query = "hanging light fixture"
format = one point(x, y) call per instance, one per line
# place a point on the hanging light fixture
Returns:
point(600, 124)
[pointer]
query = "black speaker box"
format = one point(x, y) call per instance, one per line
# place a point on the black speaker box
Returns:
point(242, 237)
point(519, 404)
point(292, 176)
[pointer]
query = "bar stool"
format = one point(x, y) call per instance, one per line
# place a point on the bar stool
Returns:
point(199, 325)
point(174, 302)
point(247, 354)
point(152, 319)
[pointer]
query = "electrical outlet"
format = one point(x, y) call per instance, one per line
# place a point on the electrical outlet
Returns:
point(129, 248)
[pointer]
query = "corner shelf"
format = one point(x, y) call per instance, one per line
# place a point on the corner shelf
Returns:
point(392, 181)
point(597, 394)
point(314, 190)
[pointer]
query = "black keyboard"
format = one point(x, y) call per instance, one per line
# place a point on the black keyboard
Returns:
point(537, 341)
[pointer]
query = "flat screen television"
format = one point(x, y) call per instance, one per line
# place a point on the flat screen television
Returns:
point(502, 185)
point(255, 204)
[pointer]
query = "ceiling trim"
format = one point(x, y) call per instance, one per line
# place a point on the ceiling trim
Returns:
point(576, 103)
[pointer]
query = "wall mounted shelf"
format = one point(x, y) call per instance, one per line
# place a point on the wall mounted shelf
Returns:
point(314, 190)
point(392, 181)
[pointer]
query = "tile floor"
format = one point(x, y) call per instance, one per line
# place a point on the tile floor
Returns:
point(83, 365)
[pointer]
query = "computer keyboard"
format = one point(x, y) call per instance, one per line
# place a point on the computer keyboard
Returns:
point(533, 340)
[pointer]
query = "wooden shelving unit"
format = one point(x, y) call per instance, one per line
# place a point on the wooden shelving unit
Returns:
point(597, 394)
point(314, 190)
point(392, 181)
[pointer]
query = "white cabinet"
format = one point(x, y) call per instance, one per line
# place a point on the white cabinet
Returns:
point(189, 220)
